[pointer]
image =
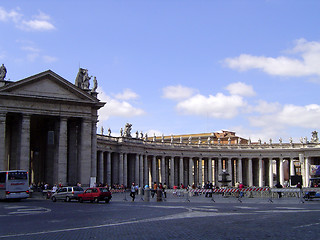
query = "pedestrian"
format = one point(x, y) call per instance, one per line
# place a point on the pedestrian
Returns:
point(165, 187)
point(278, 185)
point(133, 192)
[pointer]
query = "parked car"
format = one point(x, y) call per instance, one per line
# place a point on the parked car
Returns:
point(67, 193)
point(95, 194)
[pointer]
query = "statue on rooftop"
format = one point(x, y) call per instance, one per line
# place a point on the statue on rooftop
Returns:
point(314, 137)
point(127, 130)
point(3, 72)
point(83, 79)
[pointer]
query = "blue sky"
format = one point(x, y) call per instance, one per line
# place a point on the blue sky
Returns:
point(178, 67)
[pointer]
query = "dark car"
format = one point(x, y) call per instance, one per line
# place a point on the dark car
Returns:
point(95, 194)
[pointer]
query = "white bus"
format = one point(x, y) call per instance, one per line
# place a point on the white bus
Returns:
point(14, 184)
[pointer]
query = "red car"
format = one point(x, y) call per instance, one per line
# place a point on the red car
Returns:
point(95, 194)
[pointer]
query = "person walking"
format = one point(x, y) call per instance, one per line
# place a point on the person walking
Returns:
point(133, 192)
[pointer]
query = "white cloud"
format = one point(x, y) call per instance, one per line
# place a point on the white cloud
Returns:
point(290, 115)
point(36, 25)
point(40, 22)
point(116, 108)
point(264, 107)
point(6, 16)
point(241, 89)
point(127, 94)
point(219, 106)
point(49, 59)
point(303, 65)
point(178, 92)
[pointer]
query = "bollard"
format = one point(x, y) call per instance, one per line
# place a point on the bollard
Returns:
point(159, 195)
point(147, 195)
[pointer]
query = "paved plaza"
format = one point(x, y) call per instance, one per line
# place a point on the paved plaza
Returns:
point(176, 218)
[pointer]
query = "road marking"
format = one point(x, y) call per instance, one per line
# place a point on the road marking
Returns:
point(189, 214)
point(307, 225)
point(16, 210)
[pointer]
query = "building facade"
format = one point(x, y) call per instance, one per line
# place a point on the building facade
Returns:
point(48, 126)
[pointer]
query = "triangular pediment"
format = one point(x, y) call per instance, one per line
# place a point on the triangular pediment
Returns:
point(47, 85)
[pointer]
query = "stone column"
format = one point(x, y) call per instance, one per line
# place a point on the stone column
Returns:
point(281, 173)
point(260, 173)
point(125, 169)
point(85, 152)
point(154, 169)
point(191, 180)
point(307, 166)
point(250, 173)
point(3, 162)
point(230, 171)
point(146, 171)
point(219, 178)
point(163, 170)
point(109, 170)
point(25, 143)
point(62, 152)
point(121, 168)
point(101, 167)
point(303, 170)
point(240, 170)
point(292, 172)
point(181, 178)
point(210, 170)
point(171, 172)
point(94, 148)
point(200, 171)
point(271, 172)
point(141, 171)
point(137, 170)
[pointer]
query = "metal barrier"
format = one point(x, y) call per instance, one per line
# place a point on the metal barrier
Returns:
point(251, 192)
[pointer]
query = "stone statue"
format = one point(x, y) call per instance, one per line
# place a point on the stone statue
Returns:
point(146, 137)
point(95, 85)
point(127, 130)
point(270, 141)
point(314, 137)
point(109, 132)
point(301, 140)
point(305, 140)
point(249, 141)
point(154, 137)
point(3, 72)
point(121, 132)
point(259, 141)
point(219, 141)
point(137, 134)
point(190, 140)
point(280, 141)
point(209, 140)
point(181, 140)
point(102, 130)
point(141, 135)
point(290, 140)
point(229, 141)
point(83, 79)
point(171, 139)
point(199, 140)
point(162, 138)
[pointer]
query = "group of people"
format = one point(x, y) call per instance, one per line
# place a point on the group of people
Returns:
point(153, 189)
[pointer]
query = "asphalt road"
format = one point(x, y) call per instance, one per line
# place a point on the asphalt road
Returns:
point(203, 219)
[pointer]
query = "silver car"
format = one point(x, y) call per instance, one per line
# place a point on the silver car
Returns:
point(67, 193)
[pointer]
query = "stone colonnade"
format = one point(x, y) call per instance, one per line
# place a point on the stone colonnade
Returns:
point(174, 169)
point(54, 149)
